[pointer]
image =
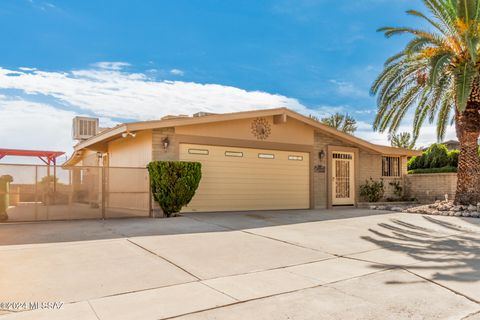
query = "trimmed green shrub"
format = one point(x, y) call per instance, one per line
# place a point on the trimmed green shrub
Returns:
point(445, 169)
point(413, 162)
point(436, 156)
point(174, 183)
point(453, 158)
point(372, 191)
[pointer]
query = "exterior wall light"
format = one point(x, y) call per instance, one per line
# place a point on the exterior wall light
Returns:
point(131, 134)
point(166, 143)
point(321, 154)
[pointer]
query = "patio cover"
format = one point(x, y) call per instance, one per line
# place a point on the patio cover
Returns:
point(48, 157)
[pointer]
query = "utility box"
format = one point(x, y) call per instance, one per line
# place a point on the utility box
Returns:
point(84, 128)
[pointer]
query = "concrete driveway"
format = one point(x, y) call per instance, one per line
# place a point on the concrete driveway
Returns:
point(317, 264)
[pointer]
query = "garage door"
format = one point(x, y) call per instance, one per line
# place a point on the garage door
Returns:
point(236, 179)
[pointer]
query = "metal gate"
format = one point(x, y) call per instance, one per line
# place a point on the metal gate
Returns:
point(42, 192)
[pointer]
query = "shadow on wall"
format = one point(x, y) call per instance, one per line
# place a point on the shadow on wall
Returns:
point(449, 257)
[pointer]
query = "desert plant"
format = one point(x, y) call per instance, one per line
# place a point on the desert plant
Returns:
point(397, 188)
point(174, 183)
point(437, 74)
point(372, 191)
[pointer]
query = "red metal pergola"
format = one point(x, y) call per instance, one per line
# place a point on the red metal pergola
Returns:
point(48, 157)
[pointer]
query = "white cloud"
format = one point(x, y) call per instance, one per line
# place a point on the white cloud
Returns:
point(349, 89)
point(115, 94)
point(177, 72)
point(108, 92)
point(428, 134)
point(33, 125)
point(30, 125)
point(107, 65)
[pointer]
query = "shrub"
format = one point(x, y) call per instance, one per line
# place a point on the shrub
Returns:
point(372, 191)
point(445, 169)
point(174, 183)
point(413, 162)
point(436, 156)
point(453, 158)
point(397, 188)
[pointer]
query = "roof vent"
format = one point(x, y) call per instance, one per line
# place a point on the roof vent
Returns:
point(84, 128)
point(202, 114)
point(168, 117)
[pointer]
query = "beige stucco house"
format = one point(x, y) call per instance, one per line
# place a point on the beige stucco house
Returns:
point(266, 159)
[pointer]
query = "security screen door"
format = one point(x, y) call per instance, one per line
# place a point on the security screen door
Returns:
point(343, 182)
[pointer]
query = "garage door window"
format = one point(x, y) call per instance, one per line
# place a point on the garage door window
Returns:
point(233, 154)
point(295, 158)
point(266, 156)
point(198, 151)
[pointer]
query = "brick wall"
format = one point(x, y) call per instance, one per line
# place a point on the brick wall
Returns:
point(158, 151)
point(429, 187)
point(370, 165)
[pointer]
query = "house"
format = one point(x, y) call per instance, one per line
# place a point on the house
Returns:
point(254, 160)
point(450, 144)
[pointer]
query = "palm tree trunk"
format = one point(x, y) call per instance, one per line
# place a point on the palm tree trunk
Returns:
point(468, 131)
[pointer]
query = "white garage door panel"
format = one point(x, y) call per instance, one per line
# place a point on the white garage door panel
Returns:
point(248, 182)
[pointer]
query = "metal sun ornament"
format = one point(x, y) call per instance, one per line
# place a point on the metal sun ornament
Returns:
point(261, 128)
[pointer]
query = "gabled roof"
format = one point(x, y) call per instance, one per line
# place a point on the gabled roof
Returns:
point(113, 133)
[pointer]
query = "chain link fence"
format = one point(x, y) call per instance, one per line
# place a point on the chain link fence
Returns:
point(41, 192)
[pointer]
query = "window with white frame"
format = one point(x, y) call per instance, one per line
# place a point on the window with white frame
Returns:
point(390, 166)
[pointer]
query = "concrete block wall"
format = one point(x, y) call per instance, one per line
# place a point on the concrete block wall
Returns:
point(428, 187)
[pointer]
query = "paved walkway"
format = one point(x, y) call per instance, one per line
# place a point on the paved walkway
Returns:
point(336, 264)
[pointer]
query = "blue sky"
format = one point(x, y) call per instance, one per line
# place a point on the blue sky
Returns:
point(133, 60)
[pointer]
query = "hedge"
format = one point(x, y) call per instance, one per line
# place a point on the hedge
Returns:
point(445, 169)
point(174, 183)
point(436, 156)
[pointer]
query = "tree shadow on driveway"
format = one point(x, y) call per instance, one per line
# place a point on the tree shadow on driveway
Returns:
point(437, 250)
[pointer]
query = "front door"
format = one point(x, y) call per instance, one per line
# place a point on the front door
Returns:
point(343, 179)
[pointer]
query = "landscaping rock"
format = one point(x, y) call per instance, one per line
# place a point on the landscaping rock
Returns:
point(444, 208)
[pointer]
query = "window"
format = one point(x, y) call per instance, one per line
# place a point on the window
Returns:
point(266, 156)
point(295, 158)
point(390, 166)
point(345, 156)
point(198, 151)
point(233, 154)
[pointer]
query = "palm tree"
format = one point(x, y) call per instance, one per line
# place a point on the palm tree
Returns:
point(401, 140)
point(344, 123)
point(438, 75)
